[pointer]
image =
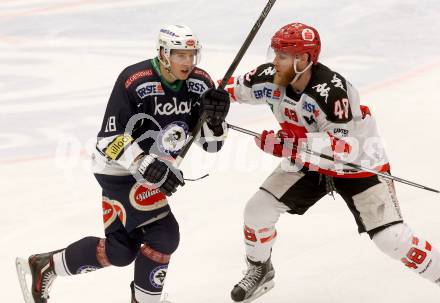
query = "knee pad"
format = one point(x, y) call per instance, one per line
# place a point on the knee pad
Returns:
point(395, 240)
point(263, 210)
point(162, 236)
point(121, 250)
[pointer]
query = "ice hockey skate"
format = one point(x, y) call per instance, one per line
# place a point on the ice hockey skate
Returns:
point(257, 280)
point(41, 270)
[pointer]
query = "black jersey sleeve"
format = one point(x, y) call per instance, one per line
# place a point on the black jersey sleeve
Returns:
point(120, 108)
point(262, 74)
point(330, 91)
point(115, 141)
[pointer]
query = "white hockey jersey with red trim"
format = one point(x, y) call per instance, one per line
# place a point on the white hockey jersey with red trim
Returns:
point(327, 116)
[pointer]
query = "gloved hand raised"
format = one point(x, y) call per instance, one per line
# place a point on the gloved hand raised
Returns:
point(215, 104)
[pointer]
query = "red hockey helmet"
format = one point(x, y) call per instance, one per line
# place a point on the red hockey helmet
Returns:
point(296, 39)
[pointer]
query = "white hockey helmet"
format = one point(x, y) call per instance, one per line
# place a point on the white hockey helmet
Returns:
point(177, 37)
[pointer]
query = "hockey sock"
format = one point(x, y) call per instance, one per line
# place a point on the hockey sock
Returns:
point(259, 242)
point(83, 256)
point(400, 243)
point(149, 274)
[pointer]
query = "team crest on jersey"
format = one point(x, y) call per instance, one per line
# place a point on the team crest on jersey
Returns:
point(145, 198)
point(157, 276)
point(173, 137)
point(196, 86)
point(109, 214)
point(149, 89)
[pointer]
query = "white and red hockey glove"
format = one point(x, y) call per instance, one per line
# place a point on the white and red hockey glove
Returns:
point(281, 144)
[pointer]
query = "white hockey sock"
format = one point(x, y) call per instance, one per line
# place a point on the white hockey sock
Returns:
point(259, 242)
point(144, 296)
point(260, 216)
point(60, 264)
point(400, 243)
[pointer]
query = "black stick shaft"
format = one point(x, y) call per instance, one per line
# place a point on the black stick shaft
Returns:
point(228, 74)
point(247, 43)
point(352, 165)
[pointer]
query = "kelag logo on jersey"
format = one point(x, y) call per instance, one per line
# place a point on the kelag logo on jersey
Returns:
point(149, 89)
point(196, 86)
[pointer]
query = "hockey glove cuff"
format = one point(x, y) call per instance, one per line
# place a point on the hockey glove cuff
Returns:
point(161, 174)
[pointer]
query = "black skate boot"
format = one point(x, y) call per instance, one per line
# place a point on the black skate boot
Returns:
point(43, 274)
point(257, 281)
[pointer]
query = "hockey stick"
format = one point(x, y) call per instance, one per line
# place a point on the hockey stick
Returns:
point(228, 75)
point(352, 165)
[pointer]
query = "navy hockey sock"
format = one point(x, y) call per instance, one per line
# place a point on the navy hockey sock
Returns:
point(81, 257)
point(149, 274)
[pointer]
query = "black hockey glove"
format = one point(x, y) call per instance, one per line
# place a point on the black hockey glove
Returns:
point(215, 104)
point(161, 174)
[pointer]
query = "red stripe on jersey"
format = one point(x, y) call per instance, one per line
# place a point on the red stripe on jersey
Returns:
point(382, 169)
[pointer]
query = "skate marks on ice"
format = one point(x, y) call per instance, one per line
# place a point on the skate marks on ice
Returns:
point(23, 270)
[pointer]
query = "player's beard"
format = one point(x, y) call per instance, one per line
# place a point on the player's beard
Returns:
point(284, 78)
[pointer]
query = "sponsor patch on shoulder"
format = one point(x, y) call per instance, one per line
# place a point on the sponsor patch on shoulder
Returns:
point(115, 149)
point(137, 76)
point(196, 86)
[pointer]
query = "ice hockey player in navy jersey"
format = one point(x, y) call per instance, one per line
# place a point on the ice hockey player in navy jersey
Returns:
point(320, 110)
point(152, 110)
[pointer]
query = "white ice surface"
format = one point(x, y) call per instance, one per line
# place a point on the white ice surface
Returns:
point(58, 62)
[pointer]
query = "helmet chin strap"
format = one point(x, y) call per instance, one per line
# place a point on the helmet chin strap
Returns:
point(298, 74)
point(167, 66)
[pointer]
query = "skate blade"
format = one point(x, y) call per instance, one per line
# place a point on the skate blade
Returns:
point(260, 291)
point(23, 269)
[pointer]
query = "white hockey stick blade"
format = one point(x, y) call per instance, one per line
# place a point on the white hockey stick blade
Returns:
point(22, 267)
point(260, 291)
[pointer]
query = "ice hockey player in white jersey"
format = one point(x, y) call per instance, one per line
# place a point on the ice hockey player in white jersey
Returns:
point(153, 108)
point(319, 109)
